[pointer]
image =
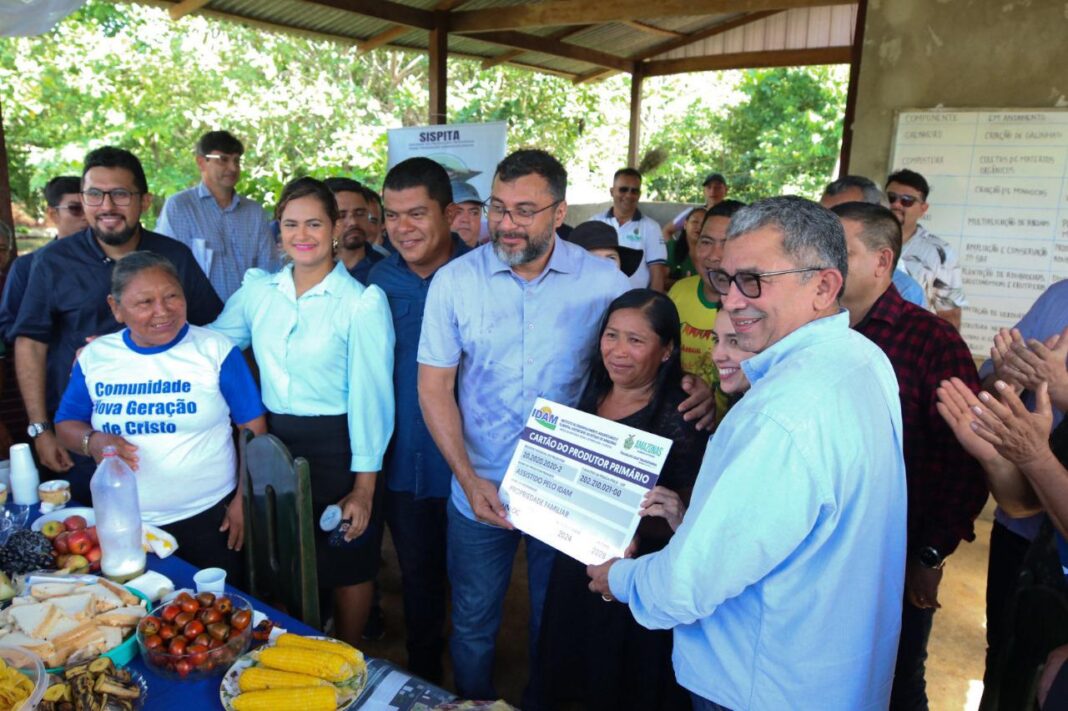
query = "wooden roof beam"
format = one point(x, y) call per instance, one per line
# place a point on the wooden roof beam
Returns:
point(569, 12)
point(653, 30)
point(372, 43)
point(186, 7)
point(384, 10)
point(507, 57)
point(594, 76)
point(750, 60)
point(534, 43)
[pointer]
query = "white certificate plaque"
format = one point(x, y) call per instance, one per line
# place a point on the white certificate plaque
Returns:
point(576, 481)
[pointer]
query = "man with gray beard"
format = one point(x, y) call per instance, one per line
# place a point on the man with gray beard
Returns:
point(66, 296)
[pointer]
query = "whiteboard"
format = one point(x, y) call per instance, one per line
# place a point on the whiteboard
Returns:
point(999, 196)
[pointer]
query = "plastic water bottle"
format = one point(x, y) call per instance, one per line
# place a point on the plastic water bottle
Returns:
point(118, 518)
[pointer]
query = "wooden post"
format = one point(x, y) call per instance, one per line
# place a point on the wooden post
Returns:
point(439, 71)
point(6, 213)
point(637, 75)
point(851, 93)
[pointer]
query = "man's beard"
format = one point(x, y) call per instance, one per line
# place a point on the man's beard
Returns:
point(534, 248)
point(354, 239)
point(116, 239)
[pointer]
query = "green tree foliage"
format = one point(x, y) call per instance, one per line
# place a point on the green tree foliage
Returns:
point(782, 136)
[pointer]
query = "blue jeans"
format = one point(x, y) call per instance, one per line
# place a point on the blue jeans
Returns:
point(480, 567)
point(418, 530)
point(700, 703)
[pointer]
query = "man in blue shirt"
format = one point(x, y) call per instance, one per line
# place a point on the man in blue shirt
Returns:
point(504, 324)
point(784, 582)
point(66, 296)
point(353, 227)
point(418, 209)
point(227, 232)
point(63, 195)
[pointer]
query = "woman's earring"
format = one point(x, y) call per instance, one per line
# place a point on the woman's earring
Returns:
point(335, 244)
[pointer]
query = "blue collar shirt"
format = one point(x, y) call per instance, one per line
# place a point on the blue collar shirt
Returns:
point(513, 341)
point(225, 241)
point(413, 462)
point(784, 583)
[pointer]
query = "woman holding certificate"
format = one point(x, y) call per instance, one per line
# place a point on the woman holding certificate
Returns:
point(594, 652)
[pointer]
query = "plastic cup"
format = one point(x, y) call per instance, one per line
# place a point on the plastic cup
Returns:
point(5, 472)
point(210, 580)
point(24, 475)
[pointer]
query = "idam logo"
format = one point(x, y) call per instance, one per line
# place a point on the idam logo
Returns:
point(546, 418)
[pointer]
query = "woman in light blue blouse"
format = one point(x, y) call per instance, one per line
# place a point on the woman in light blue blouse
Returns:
point(324, 346)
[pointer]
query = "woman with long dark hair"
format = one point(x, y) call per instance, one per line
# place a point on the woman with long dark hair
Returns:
point(594, 652)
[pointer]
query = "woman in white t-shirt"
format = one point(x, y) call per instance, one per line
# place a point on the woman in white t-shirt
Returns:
point(164, 394)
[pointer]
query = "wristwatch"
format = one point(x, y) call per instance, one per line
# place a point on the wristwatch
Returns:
point(36, 429)
point(929, 557)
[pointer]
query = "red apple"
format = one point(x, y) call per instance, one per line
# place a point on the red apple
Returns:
point(92, 534)
point(75, 523)
point(62, 543)
point(94, 554)
point(79, 542)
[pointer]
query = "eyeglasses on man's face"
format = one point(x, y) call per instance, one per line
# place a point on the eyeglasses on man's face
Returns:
point(522, 216)
point(749, 283)
point(905, 200)
point(120, 197)
point(74, 208)
point(625, 189)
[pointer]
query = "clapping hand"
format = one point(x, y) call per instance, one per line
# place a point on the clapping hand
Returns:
point(1035, 362)
point(1020, 436)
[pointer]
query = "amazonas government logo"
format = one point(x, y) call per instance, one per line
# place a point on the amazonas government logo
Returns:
point(632, 442)
point(546, 418)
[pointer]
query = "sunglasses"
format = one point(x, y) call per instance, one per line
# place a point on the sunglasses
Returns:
point(905, 200)
point(74, 208)
point(749, 283)
point(624, 189)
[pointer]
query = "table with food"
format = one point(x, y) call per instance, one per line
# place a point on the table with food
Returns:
point(73, 640)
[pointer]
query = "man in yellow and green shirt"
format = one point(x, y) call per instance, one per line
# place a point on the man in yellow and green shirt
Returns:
point(698, 302)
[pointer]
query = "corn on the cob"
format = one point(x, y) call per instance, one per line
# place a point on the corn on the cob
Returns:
point(256, 678)
point(308, 698)
point(306, 661)
point(352, 655)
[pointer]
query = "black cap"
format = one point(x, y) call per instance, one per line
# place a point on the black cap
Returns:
point(714, 178)
point(600, 235)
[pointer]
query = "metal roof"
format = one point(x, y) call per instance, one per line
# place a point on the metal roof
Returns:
point(576, 39)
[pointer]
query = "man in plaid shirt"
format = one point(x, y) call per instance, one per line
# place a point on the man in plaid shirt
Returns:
point(946, 487)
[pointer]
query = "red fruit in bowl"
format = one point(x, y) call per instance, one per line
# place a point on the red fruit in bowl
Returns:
point(75, 523)
point(79, 543)
point(183, 619)
point(169, 612)
point(219, 631)
point(177, 646)
point(62, 543)
point(94, 554)
point(150, 625)
point(183, 668)
point(193, 628)
point(167, 632)
point(92, 534)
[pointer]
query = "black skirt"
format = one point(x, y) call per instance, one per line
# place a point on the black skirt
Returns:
point(324, 442)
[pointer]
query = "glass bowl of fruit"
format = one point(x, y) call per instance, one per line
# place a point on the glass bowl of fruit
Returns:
point(195, 636)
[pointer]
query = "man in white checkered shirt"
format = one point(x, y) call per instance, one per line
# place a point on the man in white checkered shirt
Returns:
point(928, 259)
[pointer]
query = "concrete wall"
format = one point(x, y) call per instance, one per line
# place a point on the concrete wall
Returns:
point(956, 54)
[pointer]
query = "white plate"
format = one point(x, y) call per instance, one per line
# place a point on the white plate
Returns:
point(63, 514)
point(348, 691)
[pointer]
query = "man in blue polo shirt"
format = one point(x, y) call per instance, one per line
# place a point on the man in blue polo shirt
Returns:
point(66, 296)
point(227, 232)
point(418, 209)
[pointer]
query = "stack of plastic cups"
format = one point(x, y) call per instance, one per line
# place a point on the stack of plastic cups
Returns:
point(24, 475)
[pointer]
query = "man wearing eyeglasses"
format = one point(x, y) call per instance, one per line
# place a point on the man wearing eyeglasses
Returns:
point(352, 228)
point(63, 195)
point(780, 583)
point(228, 233)
point(636, 230)
point(928, 259)
point(66, 296)
point(946, 487)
